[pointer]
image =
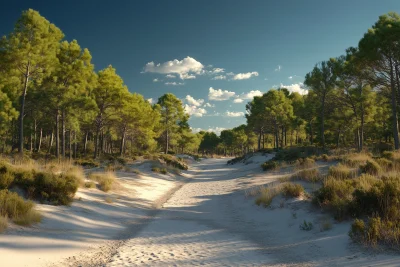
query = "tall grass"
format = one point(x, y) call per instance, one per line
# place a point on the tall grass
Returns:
point(105, 180)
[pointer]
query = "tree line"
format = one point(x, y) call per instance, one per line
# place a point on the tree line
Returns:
point(52, 101)
point(352, 100)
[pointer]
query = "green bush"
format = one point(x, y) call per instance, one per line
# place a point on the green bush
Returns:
point(270, 165)
point(174, 162)
point(104, 179)
point(309, 175)
point(89, 163)
point(341, 171)
point(304, 163)
point(6, 179)
point(292, 190)
point(371, 167)
point(16, 208)
point(306, 226)
point(236, 160)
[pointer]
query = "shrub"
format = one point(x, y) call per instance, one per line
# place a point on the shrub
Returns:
point(324, 157)
point(89, 163)
point(292, 154)
point(90, 184)
point(325, 224)
point(270, 165)
point(385, 163)
point(16, 208)
point(174, 162)
point(292, 190)
point(341, 171)
point(3, 223)
point(156, 169)
point(267, 194)
point(6, 180)
point(306, 226)
point(105, 180)
point(236, 160)
point(304, 163)
point(356, 159)
point(310, 175)
point(371, 167)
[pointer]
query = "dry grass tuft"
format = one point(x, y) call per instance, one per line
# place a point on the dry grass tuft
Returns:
point(267, 195)
point(342, 171)
point(3, 223)
point(104, 179)
point(308, 175)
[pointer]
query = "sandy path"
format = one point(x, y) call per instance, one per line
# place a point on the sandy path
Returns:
point(193, 229)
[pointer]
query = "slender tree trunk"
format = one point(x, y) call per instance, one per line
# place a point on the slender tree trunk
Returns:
point(34, 135)
point(121, 150)
point(394, 108)
point(40, 139)
point(22, 111)
point(63, 132)
point(51, 142)
point(166, 141)
point(70, 145)
point(58, 134)
point(96, 143)
point(75, 146)
point(311, 134)
point(259, 140)
point(276, 135)
point(323, 122)
point(85, 143)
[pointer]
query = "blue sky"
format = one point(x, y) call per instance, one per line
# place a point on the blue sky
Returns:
point(257, 44)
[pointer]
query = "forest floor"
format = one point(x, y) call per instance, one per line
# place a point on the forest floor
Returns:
point(202, 218)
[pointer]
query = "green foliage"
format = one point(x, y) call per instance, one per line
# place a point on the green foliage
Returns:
point(292, 190)
point(306, 226)
point(16, 208)
point(174, 161)
point(270, 165)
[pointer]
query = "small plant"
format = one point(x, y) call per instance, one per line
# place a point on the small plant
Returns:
point(3, 223)
point(109, 200)
point(325, 224)
point(270, 165)
point(105, 180)
point(267, 194)
point(341, 171)
point(371, 167)
point(324, 157)
point(294, 215)
point(306, 226)
point(292, 190)
point(309, 175)
point(304, 163)
point(90, 184)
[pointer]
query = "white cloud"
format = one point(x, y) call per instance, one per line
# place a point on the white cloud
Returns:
point(278, 68)
point(173, 83)
point(181, 67)
point(156, 80)
point(208, 105)
point(230, 74)
point(247, 96)
point(170, 76)
point(219, 77)
point(150, 100)
point(195, 111)
point(219, 94)
point(290, 77)
point(194, 102)
point(234, 114)
point(218, 70)
point(296, 87)
point(186, 76)
point(245, 76)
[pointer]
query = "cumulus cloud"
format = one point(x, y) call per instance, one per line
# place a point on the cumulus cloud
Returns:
point(155, 80)
point(238, 100)
point(194, 102)
point(247, 96)
point(296, 87)
point(208, 105)
point(219, 77)
point(150, 100)
point(218, 70)
point(230, 74)
point(183, 67)
point(245, 76)
point(219, 94)
point(173, 83)
point(195, 111)
point(278, 68)
point(170, 76)
point(234, 114)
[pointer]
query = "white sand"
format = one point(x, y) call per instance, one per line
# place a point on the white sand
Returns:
point(209, 221)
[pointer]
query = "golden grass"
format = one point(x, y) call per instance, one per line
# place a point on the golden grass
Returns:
point(342, 171)
point(104, 179)
point(29, 218)
point(267, 194)
point(3, 223)
point(308, 175)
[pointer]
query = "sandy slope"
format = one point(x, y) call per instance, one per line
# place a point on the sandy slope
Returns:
point(208, 221)
point(89, 222)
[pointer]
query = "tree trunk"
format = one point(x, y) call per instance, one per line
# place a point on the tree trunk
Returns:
point(166, 141)
point(276, 135)
point(58, 134)
point(121, 150)
point(22, 110)
point(40, 140)
point(323, 121)
point(85, 143)
point(394, 108)
point(75, 146)
point(63, 137)
point(51, 142)
point(70, 145)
